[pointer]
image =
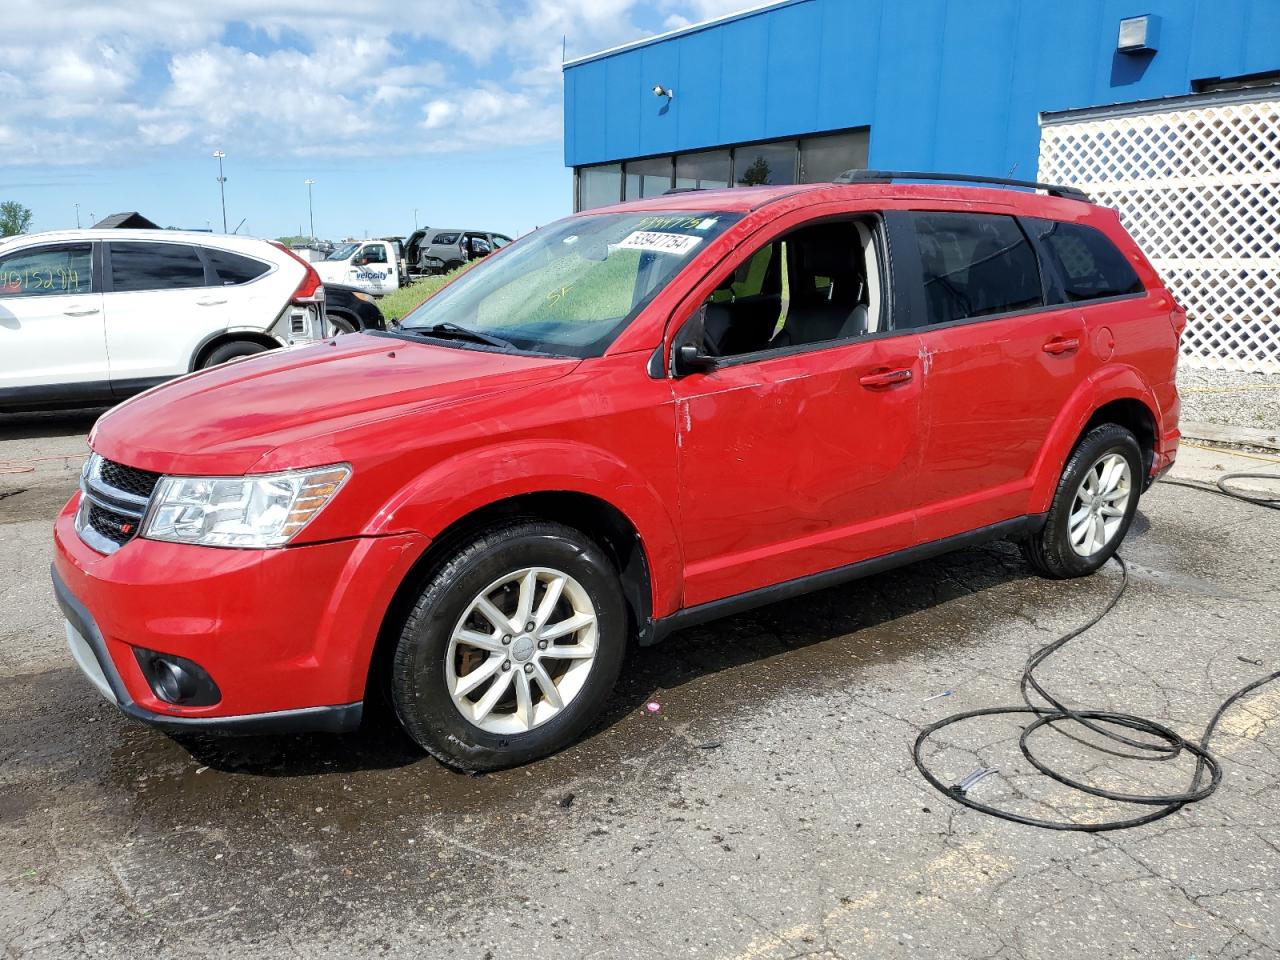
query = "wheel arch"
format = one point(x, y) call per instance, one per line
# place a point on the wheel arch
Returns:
point(222, 337)
point(594, 517)
point(1118, 395)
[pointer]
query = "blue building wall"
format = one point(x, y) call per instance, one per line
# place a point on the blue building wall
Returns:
point(943, 84)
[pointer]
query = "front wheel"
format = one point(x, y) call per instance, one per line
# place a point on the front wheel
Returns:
point(512, 647)
point(1093, 507)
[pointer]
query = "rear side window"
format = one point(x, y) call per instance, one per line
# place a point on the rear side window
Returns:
point(47, 271)
point(975, 265)
point(232, 268)
point(1089, 263)
point(445, 238)
point(154, 266)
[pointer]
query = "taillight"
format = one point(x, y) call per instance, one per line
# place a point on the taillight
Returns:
point(311, 289)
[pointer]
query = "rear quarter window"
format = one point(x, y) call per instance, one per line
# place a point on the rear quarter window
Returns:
point(233, 269)
point(1091, 266)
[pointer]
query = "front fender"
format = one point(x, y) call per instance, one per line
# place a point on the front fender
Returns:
point(469, 481)
point(1105, 386)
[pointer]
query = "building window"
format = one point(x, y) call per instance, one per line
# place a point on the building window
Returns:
point(599, 186)
point(822, 159)
point(711, 170)
point(816, 159)
point(765, 163)
point(647, 178)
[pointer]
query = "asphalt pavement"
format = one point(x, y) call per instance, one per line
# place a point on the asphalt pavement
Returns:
point(769, 809)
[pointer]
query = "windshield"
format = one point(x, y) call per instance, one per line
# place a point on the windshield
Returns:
point(572, 287)
point(343, 252)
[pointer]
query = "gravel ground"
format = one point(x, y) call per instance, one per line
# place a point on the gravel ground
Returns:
point(1230, 396)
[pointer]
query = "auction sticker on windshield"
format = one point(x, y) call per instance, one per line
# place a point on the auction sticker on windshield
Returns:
point(677, 243)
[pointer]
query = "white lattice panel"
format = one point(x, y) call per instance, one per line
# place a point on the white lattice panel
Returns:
point(1199, 188)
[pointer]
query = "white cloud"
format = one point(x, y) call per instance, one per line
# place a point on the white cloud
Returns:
point(351, 77)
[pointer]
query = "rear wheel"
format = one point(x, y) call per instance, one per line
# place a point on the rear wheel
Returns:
point(232, 350)
point(512, 647)
point(340, 323)
point(1093, 507)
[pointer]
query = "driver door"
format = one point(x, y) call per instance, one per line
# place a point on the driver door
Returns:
point(797, 454)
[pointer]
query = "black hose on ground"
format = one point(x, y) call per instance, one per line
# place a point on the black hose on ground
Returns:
point(1162, 743)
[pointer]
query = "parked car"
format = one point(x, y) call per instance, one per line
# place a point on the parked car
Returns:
point(372, 265)
point(350, 309)
point(92, 316)
point(437, 251)
point(639, 418)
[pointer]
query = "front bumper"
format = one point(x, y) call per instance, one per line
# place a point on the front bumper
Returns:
point(287, 634)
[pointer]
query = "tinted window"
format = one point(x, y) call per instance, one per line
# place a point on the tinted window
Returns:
point(1090, 265)
point(445, 238)
point(375, 253)
point(499, 241)
point(233, 268)
point(975, 265)
point(154, 266)
point(47, 271)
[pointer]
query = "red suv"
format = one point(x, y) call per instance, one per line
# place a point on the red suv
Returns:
point(636, 419)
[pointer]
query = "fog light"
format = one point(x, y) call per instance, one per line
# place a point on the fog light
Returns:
point(177, 680)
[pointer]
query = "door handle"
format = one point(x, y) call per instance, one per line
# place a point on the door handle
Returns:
point(210, 303)
point(885, 378)
point(87, 312)
point(1060, 345)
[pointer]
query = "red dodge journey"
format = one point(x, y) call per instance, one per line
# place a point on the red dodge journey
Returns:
point(636, 419)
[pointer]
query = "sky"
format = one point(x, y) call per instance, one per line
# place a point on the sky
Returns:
point(447, 110)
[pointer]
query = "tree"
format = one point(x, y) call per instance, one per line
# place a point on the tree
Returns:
point(14, 218)
point(757, 174)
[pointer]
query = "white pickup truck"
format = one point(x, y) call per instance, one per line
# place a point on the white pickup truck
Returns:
point(372, 265)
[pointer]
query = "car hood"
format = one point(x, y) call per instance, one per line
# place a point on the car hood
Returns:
point(224, 420)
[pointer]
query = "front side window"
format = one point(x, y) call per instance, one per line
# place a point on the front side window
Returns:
point(374, 253)
point(1090, 265)
point(975, 265)
point(51, 271)
point(570, 288)
point(816, 285)
point(154, 266)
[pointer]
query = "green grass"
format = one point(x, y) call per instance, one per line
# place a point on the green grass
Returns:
point(398, 303)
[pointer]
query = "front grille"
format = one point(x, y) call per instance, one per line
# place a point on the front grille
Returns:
point(129, 479)
point(116, 527)
point(114, 499)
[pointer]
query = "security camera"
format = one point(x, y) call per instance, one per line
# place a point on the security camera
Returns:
point(660, 91)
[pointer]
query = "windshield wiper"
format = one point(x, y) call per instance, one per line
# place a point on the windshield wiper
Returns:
point(451, 331)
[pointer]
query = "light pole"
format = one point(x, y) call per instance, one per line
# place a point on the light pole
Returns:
point(222, 187)
point(77, 216)
point(415, 218)
point(311, 213)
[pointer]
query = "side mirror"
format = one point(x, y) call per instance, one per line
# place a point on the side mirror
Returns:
point(689, 358)
point(687, 355)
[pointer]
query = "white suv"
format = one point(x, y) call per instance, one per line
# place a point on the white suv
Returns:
point(92, 316)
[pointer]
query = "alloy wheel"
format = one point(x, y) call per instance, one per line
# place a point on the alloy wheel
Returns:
point(1101, 501)
point(522, 651)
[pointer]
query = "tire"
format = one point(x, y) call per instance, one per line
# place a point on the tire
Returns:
point(341, 323)
point(430, 664)
point(1059, 551)
point(230, 351)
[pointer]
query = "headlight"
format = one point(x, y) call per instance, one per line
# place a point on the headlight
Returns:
point(255, 511)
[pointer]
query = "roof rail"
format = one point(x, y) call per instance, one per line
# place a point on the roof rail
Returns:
point(675, 190)
point(888, 176)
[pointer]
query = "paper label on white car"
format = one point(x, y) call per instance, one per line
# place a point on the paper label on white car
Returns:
point(674, 243)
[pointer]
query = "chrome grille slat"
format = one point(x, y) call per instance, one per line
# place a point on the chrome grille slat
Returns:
point(112, 503)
